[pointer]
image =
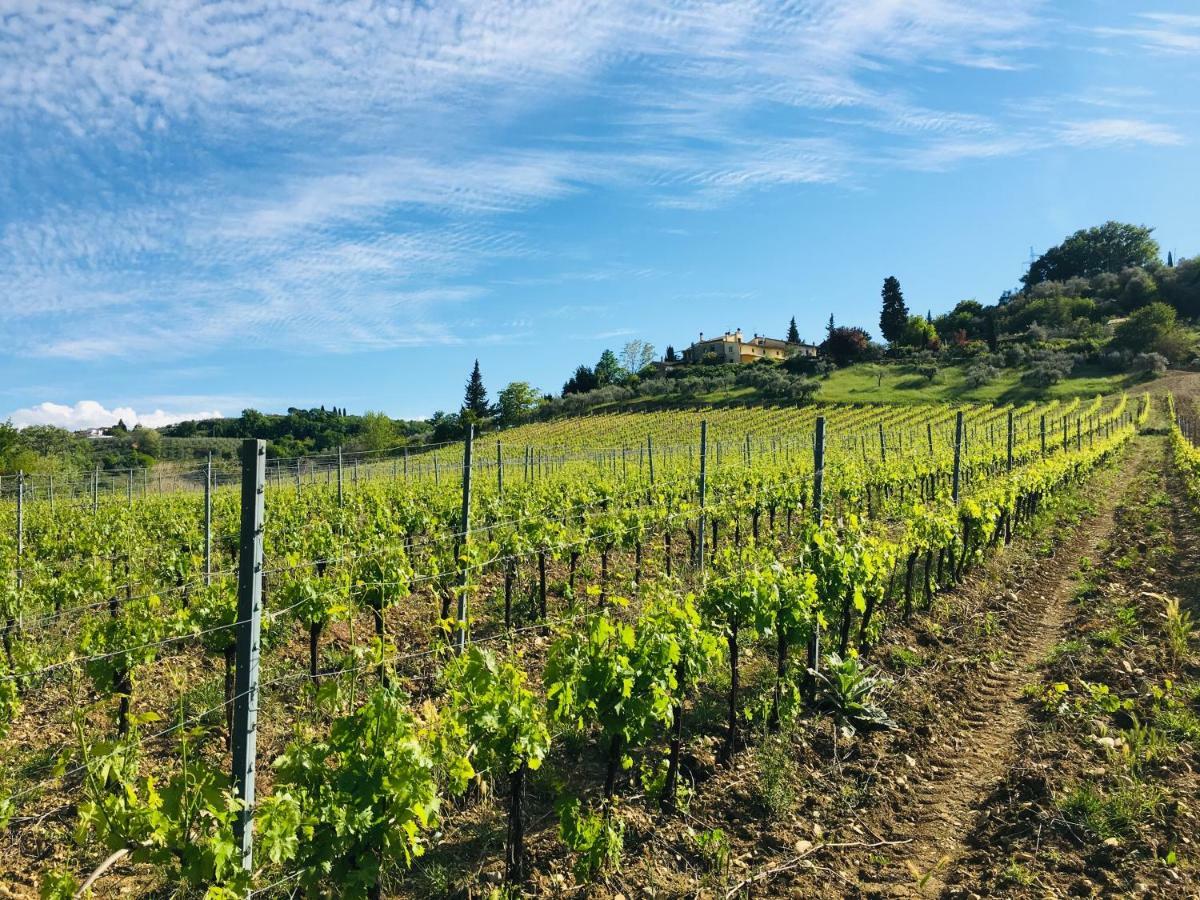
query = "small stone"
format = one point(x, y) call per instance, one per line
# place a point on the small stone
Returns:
point(818, 831)
point(1112, 842)
point(803, 846)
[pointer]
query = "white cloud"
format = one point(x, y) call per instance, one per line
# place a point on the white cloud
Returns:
point(90, 414)
point(333, 175)
point(1119, 131)
point(1169, 33)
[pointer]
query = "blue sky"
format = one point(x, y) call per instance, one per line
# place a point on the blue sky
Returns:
point(211, 205)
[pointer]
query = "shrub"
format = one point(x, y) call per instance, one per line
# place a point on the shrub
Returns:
point(1149, 364)
point(1016, 356)
point(980, 374)
point(845, 693)
point(1048, 368)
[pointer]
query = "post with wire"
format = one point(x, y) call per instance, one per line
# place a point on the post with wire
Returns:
point(460, 639)
point(249, 629)
point(814, 634)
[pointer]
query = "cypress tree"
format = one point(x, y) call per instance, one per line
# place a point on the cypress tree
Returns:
point(1170, 260)
point(793, 334)
point(894, 316)
point(475, 400)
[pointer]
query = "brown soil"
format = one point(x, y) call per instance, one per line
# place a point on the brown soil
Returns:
point(960, 773)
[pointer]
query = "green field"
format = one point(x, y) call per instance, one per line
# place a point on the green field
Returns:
point(902, 383)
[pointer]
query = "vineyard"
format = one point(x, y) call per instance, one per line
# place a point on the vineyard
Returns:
point(540, 661)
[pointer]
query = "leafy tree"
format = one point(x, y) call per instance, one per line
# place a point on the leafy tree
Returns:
point(378, 431)
point(920, 334)
point(1179, 286)
point(475, 400)
point(894, 317)
point(636, 355)
point(793, 333)
point(1140, 288)
point(583, 381)
point(608, 370)
point(10, 437)
point(968, 316)
point(446, 426)
point(1146, 329)
point(516, 402)
point(1110, 247)
point(146, 440)
point(846, 345)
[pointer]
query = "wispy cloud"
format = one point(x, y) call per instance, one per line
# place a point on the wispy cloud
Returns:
point(1173, 33)
point(1119, 131)
point(335, 176)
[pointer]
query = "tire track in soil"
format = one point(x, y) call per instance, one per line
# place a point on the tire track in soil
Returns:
point(959, 774)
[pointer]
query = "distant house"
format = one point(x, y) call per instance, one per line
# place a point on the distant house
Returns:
point(732, 347)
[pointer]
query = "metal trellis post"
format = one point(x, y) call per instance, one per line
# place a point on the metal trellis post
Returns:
point(245, 707)
point(461, 638)
point(814, 633)
point(208, 519)
point(703, 490)
point(819, 470)
point(958, 440)
point(20, 529)
point(1010, 440)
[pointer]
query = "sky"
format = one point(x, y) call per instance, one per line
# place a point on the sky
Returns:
point(208, 205)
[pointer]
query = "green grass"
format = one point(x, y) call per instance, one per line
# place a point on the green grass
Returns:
point(902, 384)
point(1112, 814)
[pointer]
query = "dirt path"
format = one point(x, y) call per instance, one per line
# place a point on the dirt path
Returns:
point(961, 772)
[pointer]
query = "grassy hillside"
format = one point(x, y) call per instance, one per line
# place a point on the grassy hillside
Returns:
point(901, 383)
